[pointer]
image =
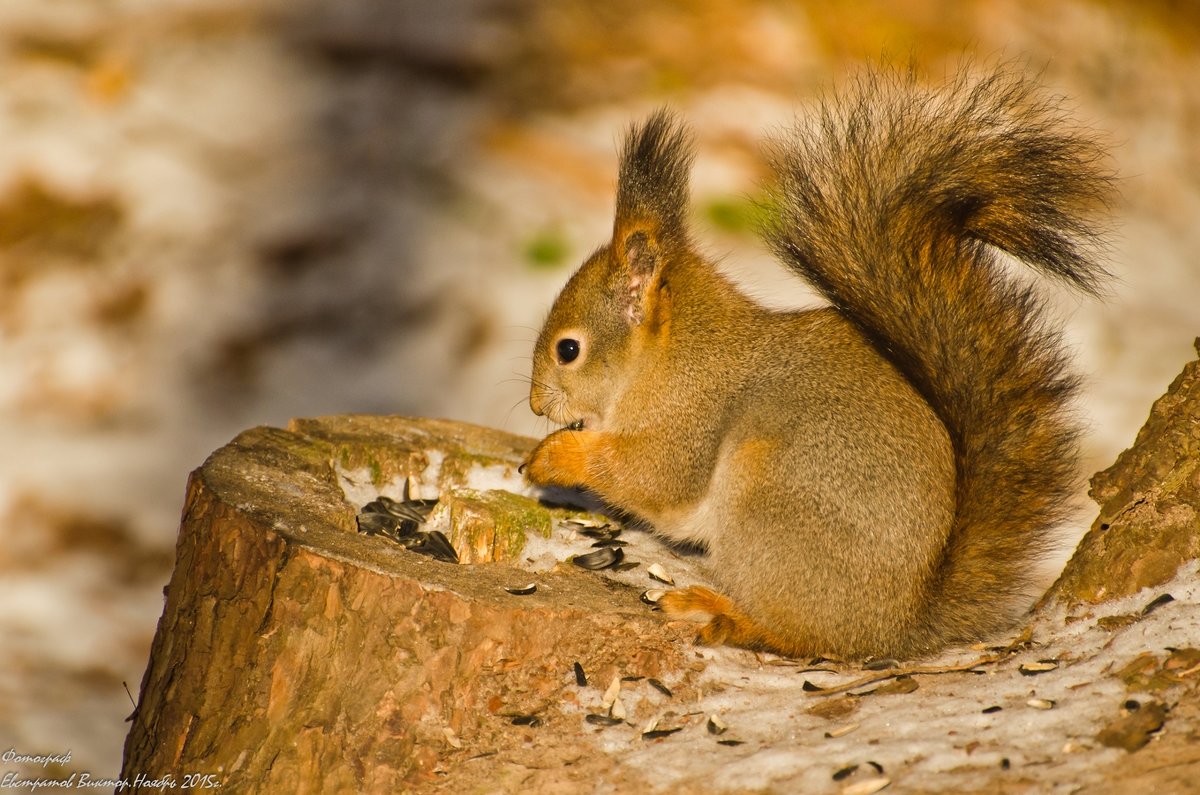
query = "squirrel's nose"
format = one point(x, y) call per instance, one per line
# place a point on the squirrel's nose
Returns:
point(536, 403)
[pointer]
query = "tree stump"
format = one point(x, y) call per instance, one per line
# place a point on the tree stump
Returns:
point(295, 654)
point(1149, 521)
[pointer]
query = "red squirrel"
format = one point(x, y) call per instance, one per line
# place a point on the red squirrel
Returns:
point(878, 477)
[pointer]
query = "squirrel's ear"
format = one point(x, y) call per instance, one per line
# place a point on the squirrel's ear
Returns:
point(638, 262)
point(652, 205)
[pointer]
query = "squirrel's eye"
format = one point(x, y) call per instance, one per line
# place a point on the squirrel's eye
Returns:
point(567, 349)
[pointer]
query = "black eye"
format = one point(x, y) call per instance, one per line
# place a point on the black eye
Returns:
point(567, 349)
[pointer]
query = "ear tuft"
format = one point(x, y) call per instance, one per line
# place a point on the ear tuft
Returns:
point(656, 163)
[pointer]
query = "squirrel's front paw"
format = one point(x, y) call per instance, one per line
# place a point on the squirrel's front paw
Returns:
point(560, 459)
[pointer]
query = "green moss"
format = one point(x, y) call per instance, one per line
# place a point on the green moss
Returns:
point(382, 465)
point(547, 249)
point(505, 522)
point(739, 215)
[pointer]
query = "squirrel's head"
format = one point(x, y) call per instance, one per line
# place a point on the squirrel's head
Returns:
point(616, 308)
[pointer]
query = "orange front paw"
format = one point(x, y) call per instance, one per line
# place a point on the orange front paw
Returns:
point(560, 459)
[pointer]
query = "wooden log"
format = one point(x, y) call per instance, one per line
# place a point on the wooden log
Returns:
point(295, 654)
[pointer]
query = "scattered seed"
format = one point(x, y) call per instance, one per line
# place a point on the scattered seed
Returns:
point(602, 720)
point(1158, 602)
point(657, 572)
point(626, 566)
point(652, 596)
point(841, 731)
point(1040, 703)
point(880, 665)
point(523, 590)
point(435, 545)
point(415, 510)
point(655, 734)
point(617, 710)
point(716, 726)
point(878, 767)
point(591, 523)
point(609, 542)
point(1039, 667)
point(1131, 705)
point(845, 772)
point(599, 533)
point(600, 559)
point(731, 742)
point(580, 676)
point(632, 678)
point(991, 709)
point(610, 694)
point(809, 687)
point(526, 720)
point(660, 687)
point(383, 524)
point(867, 786)
point(1005, 764)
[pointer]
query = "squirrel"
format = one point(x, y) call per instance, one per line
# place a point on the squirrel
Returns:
point(878, 477)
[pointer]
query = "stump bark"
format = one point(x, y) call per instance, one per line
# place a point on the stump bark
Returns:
point(1149, 520)
point(295, 654)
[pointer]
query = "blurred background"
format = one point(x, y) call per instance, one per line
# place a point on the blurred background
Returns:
point(216, 214)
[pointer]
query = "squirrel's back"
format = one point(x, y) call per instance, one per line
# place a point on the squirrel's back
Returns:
point(894, 202)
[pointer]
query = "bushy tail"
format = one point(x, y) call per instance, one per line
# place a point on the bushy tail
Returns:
point(892, 202)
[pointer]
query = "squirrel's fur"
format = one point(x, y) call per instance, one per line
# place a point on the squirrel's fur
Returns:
point(878, 478)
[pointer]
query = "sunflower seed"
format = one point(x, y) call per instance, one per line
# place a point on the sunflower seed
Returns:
point(841, 731)
point(1040, 703)
point(611, 693)
point(656, 734)
point(600, 559)
point(1039, 667)
point(652, 596)
point(580, 676)
point(602, 720)
point(657, 572)
point(523, 590)
point(879, 665)
point(1158, 602)
point(716, 726)
point(660, 687)
point(526, 720)
point(435, 545)
point(867, 786)
point(383, 524)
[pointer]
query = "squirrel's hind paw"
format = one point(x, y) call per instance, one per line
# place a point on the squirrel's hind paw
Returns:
point(726, 625)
